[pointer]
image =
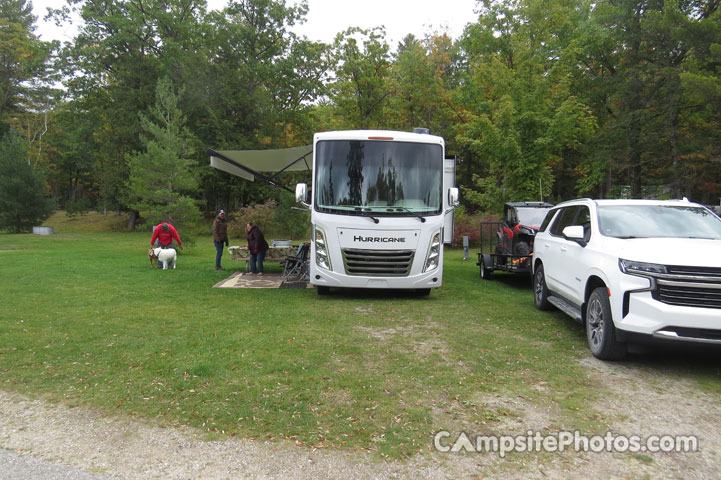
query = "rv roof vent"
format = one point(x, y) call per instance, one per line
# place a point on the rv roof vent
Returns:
point(421, 130)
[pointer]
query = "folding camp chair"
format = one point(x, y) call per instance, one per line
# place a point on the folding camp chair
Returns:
point(297, 265)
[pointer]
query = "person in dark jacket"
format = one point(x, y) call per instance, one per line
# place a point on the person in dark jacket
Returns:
point(220, 236)
point(257, 247)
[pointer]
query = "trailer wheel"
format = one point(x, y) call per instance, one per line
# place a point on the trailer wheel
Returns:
point(485, 269)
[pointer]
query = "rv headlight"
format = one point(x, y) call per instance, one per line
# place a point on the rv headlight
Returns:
point(434, 253)
point(322, 259)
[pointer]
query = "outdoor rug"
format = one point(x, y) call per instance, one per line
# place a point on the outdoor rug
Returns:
point(249, 280)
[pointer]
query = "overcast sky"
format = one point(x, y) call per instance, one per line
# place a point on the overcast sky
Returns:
point(327, 17)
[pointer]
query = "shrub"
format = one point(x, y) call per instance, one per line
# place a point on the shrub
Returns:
point(22, 202)
point(73, 208)
point(466, 224)
point(260, 214)
point(276, 221)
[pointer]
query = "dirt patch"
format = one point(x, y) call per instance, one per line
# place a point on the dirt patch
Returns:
point(644, 403)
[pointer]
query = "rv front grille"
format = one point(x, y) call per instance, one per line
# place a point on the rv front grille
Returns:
point(378, 263)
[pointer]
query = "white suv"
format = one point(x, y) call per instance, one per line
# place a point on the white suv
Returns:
point(630, 268)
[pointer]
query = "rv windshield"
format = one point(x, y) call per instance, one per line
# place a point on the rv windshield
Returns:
point(381, 177)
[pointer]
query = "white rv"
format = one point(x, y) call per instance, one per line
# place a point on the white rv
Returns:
point(381, 205)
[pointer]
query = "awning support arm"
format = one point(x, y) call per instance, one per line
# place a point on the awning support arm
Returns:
point(293, 163)
point(250, 170)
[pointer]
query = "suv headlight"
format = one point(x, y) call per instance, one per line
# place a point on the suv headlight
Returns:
point(641, 268)
point(434, 253)
point(322, 258)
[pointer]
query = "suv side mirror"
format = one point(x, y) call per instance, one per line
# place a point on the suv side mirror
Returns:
point(301, 192)
point(575, 233)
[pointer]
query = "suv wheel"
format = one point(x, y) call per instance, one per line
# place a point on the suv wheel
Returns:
point(600, 330)
point(540, 291)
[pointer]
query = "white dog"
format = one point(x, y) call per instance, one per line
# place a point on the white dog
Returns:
point(166, 256)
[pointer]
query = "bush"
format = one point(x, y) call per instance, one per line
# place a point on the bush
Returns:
point(276, 221)
point(466, 224)
point(22, 201)
point(73, 208)
point(260, 214)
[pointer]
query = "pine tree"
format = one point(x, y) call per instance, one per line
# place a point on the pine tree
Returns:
point(22, 200)
point(161, 180)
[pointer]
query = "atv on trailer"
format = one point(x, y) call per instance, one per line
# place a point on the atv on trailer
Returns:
point(508, 245)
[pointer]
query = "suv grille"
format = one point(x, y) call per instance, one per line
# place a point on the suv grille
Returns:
point(690, 286)
point(378, 263)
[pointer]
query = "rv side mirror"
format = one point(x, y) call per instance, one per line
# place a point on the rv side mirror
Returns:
point(301, 191)
point(453, 197)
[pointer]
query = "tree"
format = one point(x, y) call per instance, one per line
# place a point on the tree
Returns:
point(521, 119)
point(25, 70)
point(22, 200)
point(421, 84)
point(112, 68)
point(361, 79)
point(160, 177)
point(634, 54)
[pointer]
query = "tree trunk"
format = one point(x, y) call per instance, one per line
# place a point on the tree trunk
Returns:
point(635, 116)
point(132, 218)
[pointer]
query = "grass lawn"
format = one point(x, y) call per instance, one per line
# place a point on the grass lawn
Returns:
point(86, 321)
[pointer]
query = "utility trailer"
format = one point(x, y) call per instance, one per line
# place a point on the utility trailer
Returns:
point(508, 245)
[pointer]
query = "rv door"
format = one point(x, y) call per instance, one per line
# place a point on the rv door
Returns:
point(449, 181)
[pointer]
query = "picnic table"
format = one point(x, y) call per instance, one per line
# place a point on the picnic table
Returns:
point(274, 254)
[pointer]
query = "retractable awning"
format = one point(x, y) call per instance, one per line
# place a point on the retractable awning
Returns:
point(249, 164)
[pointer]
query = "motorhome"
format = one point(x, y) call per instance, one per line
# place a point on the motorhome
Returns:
point(381, 205)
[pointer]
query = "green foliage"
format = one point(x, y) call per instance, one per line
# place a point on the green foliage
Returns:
point(22, 200)
point(73, 208)
point(553, 98)
point(523, 118)
point(361, 85)
point(290, 223)
point(276, 219)
point(160, 177)
point(260, 214)
point(25, 66)
point(421, 81)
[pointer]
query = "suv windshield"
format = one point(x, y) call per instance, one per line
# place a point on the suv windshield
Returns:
point(638, 221)
point(387, 178)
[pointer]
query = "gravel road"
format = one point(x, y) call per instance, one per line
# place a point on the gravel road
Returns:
point(41, 440)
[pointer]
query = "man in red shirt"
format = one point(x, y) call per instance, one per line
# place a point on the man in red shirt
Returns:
point(165, 233)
